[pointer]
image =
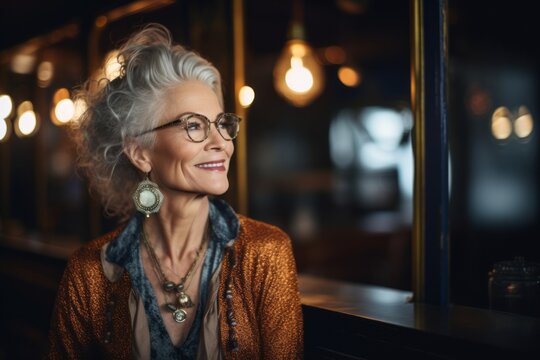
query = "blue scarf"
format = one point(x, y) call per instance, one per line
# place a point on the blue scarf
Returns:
point(124, 251)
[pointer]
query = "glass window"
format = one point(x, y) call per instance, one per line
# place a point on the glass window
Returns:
point(333, 170)
point(493, 123)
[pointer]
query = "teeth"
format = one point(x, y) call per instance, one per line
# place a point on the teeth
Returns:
point(211, 165)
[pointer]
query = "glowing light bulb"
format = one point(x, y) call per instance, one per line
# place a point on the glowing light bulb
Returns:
point(45, 73)
point(23, 63)
point(4, 130)
point(27, 123)
point(64, 110)
point(62, 107)
point(348, 76)
point(298, 76)
point(6, 105)
point(246, 95)
point(501, 126)
point(524, 124)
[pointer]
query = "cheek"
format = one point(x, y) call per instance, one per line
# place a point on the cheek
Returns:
point(174, 157)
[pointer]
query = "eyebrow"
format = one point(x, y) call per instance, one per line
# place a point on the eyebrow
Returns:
point(178, 117)
point(194, 113)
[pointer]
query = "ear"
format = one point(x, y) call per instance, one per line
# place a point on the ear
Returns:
point(139, 156)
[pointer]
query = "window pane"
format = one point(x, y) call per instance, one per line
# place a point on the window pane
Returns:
point(334, 172)
point(494, 97)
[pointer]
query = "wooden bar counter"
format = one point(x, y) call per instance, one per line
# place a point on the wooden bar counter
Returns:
point(341, 320)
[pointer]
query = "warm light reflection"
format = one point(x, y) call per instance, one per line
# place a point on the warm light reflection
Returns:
point(22, 63)
point(80, 107)
point(6, 106)
point(26, 123)
point(335, 55)
point(524, 124)
point(64, 110)
point(246, 95)
point(23, 107)
point(112, 65)
point(101, 21)
point(349, 76)
point(60, 95)
point(479, 101)
point(4, 130)
point(62, 107)
point(352, 6)
point(45, 73)
point(298, 76)
point(501, 126)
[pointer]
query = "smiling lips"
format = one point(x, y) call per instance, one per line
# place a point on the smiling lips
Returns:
point(212, 165)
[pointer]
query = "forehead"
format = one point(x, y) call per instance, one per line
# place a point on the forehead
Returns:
point(191, 96)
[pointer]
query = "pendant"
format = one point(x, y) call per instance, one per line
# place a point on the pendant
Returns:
point(168, 286)
point(184, 301)
point(179, 315)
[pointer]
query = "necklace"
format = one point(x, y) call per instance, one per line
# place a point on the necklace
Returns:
point(183, 300)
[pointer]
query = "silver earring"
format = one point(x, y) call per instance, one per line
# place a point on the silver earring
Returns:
point(147, 197)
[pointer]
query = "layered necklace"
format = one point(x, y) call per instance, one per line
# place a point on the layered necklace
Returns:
point(182, 299)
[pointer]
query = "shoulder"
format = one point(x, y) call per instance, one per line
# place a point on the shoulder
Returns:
point(261, 235)
point(88, 257)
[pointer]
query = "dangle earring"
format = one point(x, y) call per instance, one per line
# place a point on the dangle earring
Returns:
point(147, 197)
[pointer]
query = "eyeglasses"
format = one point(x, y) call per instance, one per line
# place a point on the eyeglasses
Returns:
point(197, 126)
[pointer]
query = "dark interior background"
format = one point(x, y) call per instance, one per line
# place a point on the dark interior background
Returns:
point(346, 224)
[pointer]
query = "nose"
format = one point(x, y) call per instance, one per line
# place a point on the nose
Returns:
point(215, 141)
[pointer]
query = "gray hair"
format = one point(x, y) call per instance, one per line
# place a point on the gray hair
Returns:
point(119, 110)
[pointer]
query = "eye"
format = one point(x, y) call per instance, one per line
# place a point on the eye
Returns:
point(193, 125)
point(227, 122)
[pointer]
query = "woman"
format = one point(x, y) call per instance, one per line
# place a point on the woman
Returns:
point(185, 277)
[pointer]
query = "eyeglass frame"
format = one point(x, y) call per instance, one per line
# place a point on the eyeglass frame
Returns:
point(186, 116)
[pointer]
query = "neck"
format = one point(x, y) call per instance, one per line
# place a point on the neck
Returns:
point(176, 232)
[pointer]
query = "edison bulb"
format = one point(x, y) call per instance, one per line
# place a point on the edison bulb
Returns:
point(298, 76)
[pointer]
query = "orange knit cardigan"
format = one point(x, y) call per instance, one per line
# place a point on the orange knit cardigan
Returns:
point(92, 318)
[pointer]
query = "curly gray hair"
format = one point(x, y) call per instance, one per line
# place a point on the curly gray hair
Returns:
point(130, 104)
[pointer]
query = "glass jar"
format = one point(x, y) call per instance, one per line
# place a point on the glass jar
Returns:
point(514, 286)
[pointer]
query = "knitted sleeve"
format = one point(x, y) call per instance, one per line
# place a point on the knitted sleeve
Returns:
point(279, 308)
point(70, 331)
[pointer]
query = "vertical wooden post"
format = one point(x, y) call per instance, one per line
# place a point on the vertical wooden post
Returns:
point(239, 81)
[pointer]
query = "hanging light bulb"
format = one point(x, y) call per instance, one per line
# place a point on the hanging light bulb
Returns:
point(6, 106)
point(298, 78)
point(298, 75)
point(26, 123)
point(5, 130)
point(246, 95)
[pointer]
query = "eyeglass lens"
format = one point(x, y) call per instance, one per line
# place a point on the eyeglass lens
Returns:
point(198, 130)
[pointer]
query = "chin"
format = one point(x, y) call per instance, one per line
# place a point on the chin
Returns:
point(218, 190)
